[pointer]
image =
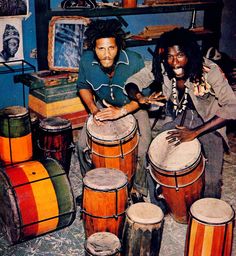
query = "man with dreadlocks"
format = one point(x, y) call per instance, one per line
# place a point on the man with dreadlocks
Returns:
point(103, 70)
point(198, 97)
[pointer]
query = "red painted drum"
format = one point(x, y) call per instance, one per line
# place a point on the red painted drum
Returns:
point(35, 198)
point(115, 144)
point(105, 199)
point(15, 135)
point(210, 228)
point(180, 172)
point(102, 244)
point(143, 229)
point(56, 140)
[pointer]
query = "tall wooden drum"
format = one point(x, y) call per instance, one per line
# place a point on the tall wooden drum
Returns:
point(105, 199)
point(102, 244)
point(115, 144)
point(35, 198)
point(142, 230)
point(56, 140)
point(180, 172)
point(15, 135)
point(210, 228)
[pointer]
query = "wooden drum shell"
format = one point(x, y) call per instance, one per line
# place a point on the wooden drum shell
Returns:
point(206, 237)
point(104, 209)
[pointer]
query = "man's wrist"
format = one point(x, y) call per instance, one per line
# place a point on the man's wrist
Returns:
point(123, 111)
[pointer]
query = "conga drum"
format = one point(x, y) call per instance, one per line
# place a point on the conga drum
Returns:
point(105, 199)
point(142, 230)
point(210, 228)
point(15, 135)
point(35, 198)
point(102, 244)
point(180, 172)
point(115, 144)
point(56, 140)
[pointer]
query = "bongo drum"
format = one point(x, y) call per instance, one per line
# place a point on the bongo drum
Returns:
point(56, 140)
point(102, 243)
point(115, 144)
point(210, 228)
point(105, 199)
point(179, 170)
point(142, 230)
point(35, 198)
point(15, 135)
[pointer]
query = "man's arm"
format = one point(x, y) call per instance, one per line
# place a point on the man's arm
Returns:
point(88, 98)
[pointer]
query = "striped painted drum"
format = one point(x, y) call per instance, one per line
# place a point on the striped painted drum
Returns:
point(105, 199)
point(210, 228)
point(102, 244)
point(15, 135)
point(143, 229)
point(115, 144)
point(35, 198)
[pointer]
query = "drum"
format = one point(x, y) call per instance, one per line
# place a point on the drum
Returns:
point(105, 199)
point(142, 230)
point(102, 243)
point(180, 172)
point(56, 140)
point(15, 135)
point(115, 144)
point(35, 198)
point(210, 228)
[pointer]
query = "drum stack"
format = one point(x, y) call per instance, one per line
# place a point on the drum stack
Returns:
point(26, 183)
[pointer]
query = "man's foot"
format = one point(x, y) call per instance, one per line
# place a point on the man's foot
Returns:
point(136, 198)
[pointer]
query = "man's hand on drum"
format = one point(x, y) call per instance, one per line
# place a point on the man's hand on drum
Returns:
point(181, 134)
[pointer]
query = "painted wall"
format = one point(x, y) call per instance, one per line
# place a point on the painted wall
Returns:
point(11, 93)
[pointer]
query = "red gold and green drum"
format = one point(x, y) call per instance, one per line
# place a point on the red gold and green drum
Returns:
point(180, 172)
point(15, 135)
point(210, 228)
point(35, 198)
point(56, 140)
point(102, 244)
point(143, 229)
point(115, 144)
point(105, 199)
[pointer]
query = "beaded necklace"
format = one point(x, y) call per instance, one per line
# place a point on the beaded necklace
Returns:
point(178, 108)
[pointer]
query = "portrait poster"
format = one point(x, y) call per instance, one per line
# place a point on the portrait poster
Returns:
point(14, 7)
point(66, 42)
point(11, 40)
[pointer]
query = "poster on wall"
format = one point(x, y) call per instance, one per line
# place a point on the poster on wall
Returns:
point(11, 40)
point(14, 7)
point(66, 42)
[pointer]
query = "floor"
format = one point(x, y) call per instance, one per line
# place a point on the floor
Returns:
point(70, 240)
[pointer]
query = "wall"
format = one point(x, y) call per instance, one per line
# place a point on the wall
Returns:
point(11, 94)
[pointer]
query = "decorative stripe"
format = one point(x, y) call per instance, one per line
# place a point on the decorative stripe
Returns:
point(207, 240)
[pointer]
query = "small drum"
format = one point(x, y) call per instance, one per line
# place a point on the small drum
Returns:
point(210, 228)
point(35, 198)
point(56, 140)
point(142, 230)
point(15, 135)
point(115, 144)
point(105, 199)
point(179, 170)
point(102, 244)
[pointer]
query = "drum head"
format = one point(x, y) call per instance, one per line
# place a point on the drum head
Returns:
point(103, 243)
point(212, 211)
point(145, 213)
point(112, 130)
point(54, 124)
point(105, 179)
point(171, 158)
point(13, 111)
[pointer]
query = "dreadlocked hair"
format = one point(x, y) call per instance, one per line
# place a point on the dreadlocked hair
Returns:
point(104, 29)
point(187, 42)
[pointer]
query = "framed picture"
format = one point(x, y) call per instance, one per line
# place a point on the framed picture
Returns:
point(11, 41)
point(66, 42)
point(14, 8)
